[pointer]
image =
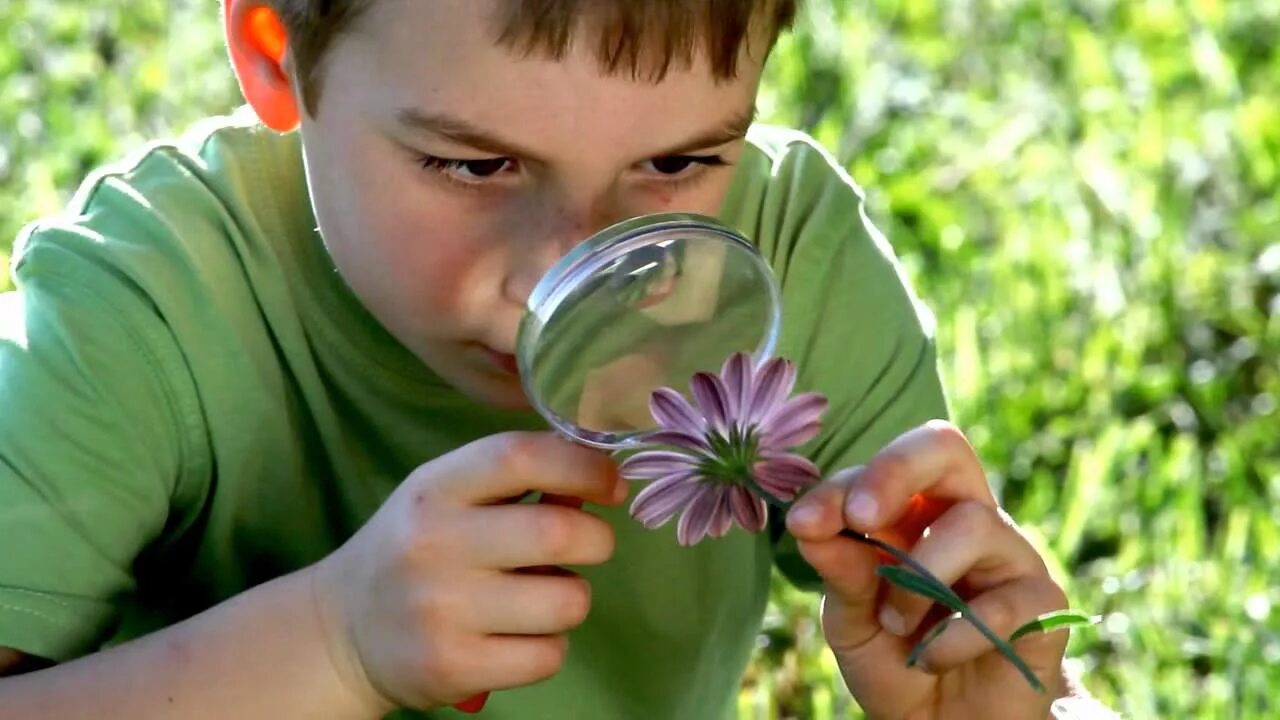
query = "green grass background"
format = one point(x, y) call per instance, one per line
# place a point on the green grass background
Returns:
point(1085, 191)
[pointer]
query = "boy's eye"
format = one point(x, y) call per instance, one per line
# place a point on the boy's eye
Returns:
point(677, 164)
point(467, 169)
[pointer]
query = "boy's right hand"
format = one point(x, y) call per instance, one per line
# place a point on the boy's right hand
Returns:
point(432, 601)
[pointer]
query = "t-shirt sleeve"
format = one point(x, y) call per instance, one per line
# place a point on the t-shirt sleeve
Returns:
point(89, 449)
point(852, 324)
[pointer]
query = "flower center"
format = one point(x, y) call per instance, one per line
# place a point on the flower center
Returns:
point(732, 458)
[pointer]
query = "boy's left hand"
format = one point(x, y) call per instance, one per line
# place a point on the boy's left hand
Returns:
point(926, 491)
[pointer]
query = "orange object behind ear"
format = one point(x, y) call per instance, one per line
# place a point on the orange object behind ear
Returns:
point(267, 32)
point(258, 44)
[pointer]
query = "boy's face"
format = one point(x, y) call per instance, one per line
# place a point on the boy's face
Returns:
point(448, 174)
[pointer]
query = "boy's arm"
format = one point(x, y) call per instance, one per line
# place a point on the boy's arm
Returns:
point(96, 457)
point(91, 457)
point(262, 654)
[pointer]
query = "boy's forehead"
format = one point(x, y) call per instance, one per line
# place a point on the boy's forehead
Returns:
point(616, 29)
point(445, 55)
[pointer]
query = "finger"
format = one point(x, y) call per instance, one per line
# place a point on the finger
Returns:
point(498, 662)
point(507, 537)
point(503, 466)
point(1004, 609)
point(934, 459)
point(561, 500)
point(818, 514)
point(970, 541)
point(521, 604)
point(848, 569)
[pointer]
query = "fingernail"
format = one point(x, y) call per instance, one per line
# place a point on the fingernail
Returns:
point(862, 508)
point(891, 620)
point(804, 515)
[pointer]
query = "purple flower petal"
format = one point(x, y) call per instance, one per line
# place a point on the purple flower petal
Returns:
point(749, 510)
point(792, 438)
point(799, 410)
point(674, 412)
point(661, 499)
point(737, 376)
point(773, 383)
point(722, 520)
point(712, 398)
point(783, 476)
point(651, 464)
point(796, 422)
point(679, 438)
point(697, 516)
point(792, 462)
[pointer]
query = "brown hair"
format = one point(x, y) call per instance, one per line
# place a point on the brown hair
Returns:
point(640, 37)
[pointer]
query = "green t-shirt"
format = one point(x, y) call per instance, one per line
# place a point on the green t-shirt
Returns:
point(192, 402)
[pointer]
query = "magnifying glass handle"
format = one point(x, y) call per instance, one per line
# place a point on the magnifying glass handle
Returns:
point(473, 704)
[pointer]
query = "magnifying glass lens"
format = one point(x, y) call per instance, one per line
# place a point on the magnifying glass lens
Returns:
point(643, 304)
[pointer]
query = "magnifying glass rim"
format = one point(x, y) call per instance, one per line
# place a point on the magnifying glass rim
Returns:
point(597, 252)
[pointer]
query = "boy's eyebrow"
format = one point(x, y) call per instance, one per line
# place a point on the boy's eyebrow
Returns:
point(464, 133)
point(735, 128)
point(461, 132)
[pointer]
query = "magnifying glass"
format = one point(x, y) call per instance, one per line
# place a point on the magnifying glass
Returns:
point(642, 304)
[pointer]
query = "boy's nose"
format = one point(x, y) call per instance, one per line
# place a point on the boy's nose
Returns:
point(530, 261)
point(580, 217)
point(533, 257)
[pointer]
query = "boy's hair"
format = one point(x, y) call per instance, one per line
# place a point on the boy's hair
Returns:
point(640, 37)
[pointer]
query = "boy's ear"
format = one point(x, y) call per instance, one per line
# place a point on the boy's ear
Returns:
point(258, 45)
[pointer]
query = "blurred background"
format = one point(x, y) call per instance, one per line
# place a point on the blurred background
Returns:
point(1085, 191)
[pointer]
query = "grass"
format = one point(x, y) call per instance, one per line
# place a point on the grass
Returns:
point(1086, 194)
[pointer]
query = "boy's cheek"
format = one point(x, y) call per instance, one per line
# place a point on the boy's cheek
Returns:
point(444, 285)
point(704, 197)
point(420, 248)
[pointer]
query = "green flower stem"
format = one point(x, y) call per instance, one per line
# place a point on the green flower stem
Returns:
point(920, 581)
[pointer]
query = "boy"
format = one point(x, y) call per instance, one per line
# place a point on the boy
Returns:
point(261, 434)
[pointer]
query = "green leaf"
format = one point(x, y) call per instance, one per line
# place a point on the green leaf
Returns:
point(953, 600)
point(929, 588)
point(916, 583)
point(1057, 620)
point(932, 635)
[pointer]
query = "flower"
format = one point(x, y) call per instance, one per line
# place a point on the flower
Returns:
point(726, 450)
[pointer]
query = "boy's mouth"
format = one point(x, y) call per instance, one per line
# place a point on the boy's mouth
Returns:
point(505, 362)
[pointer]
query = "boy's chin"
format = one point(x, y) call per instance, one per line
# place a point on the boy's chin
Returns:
point(482, 376)
point(504, 393)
